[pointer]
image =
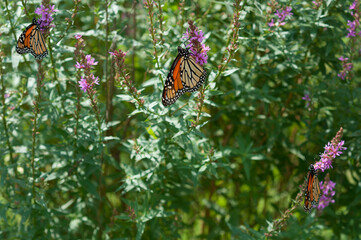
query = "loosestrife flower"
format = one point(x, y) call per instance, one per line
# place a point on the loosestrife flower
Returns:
point(346, 68)
point(85, 64)
point(46, 11)
point(327, 193)
point(307, 98)
point(123, 77)
point(197, 49)
point(330, 153)
point(317, 4)
point(332, 150)
point(281, 14)
point(354, 34)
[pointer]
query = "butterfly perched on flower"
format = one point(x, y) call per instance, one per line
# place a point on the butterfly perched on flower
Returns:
point(32, 41)
point(185, 75)
point(312, 191)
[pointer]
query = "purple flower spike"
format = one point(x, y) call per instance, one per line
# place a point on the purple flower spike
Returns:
point(346, 68)
point(46, 17)
point(197, 49)
point(330, 153)
point(327, 194)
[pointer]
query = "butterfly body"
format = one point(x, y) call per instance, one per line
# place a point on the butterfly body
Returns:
point(32, 41)
point(185, 75)
point(312, 192)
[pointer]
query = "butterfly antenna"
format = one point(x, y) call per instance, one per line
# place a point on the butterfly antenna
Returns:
point(185, 41)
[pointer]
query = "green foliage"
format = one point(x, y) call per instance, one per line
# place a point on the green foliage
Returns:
point(222, 169)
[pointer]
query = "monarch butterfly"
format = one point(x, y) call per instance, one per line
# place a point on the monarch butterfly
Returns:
point(312, 193)
point(32, 41)
point(185, 75)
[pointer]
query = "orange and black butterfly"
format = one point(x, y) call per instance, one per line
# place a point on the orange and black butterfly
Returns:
point(185, 75)
point(32, 41)
point(312, 192)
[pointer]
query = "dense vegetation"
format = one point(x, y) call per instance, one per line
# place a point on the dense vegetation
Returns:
point(226, 162)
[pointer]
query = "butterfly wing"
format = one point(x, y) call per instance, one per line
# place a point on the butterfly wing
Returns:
point(32, 41)
point(23, 45)
point(39, 50)
point(192, 75)
point(185, 75)
point(312, 193)
point(308, 192)
point(173, 87)
point(316, 192)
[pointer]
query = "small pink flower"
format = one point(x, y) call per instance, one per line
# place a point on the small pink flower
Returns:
point(271, 23)
point(83, 84)
point(78, 36)
point(90, 60)
point(79, 66)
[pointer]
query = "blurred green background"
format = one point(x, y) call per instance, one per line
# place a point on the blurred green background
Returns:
point(161, 177)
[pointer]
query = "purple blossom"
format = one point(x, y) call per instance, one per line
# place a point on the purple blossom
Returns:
point(327, 194)
point(346, 68)
point(78, 36)
point(83, 84)
point(351, 29)
point(271, 23)
point(331, 151)
point(79, 66)
point(342, 75)
point(197, 49)
point(317, 3)
point(46, 18)
point(119, 57)
point(281, 14)
point(88, 82)
point(90, 60)
point(94, 80)
point(198, 36)
point(6, 95)
point(307, 98)
point(353, 5)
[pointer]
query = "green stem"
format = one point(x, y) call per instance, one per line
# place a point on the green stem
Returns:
point(40, 76)
point(4, 120)
point(154, 40)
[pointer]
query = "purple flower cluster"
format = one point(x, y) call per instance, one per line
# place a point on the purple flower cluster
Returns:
point(317, 4)
point(327, 194)
point(86, 63)
point(197, 49)
point(307, 98)
point(330, 153)
point(353, 25)
point(346, 68)
point(46, 11)
point(281, 17)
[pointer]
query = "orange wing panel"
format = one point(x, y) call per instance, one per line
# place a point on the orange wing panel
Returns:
point(176, 76)
point(27, 36)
